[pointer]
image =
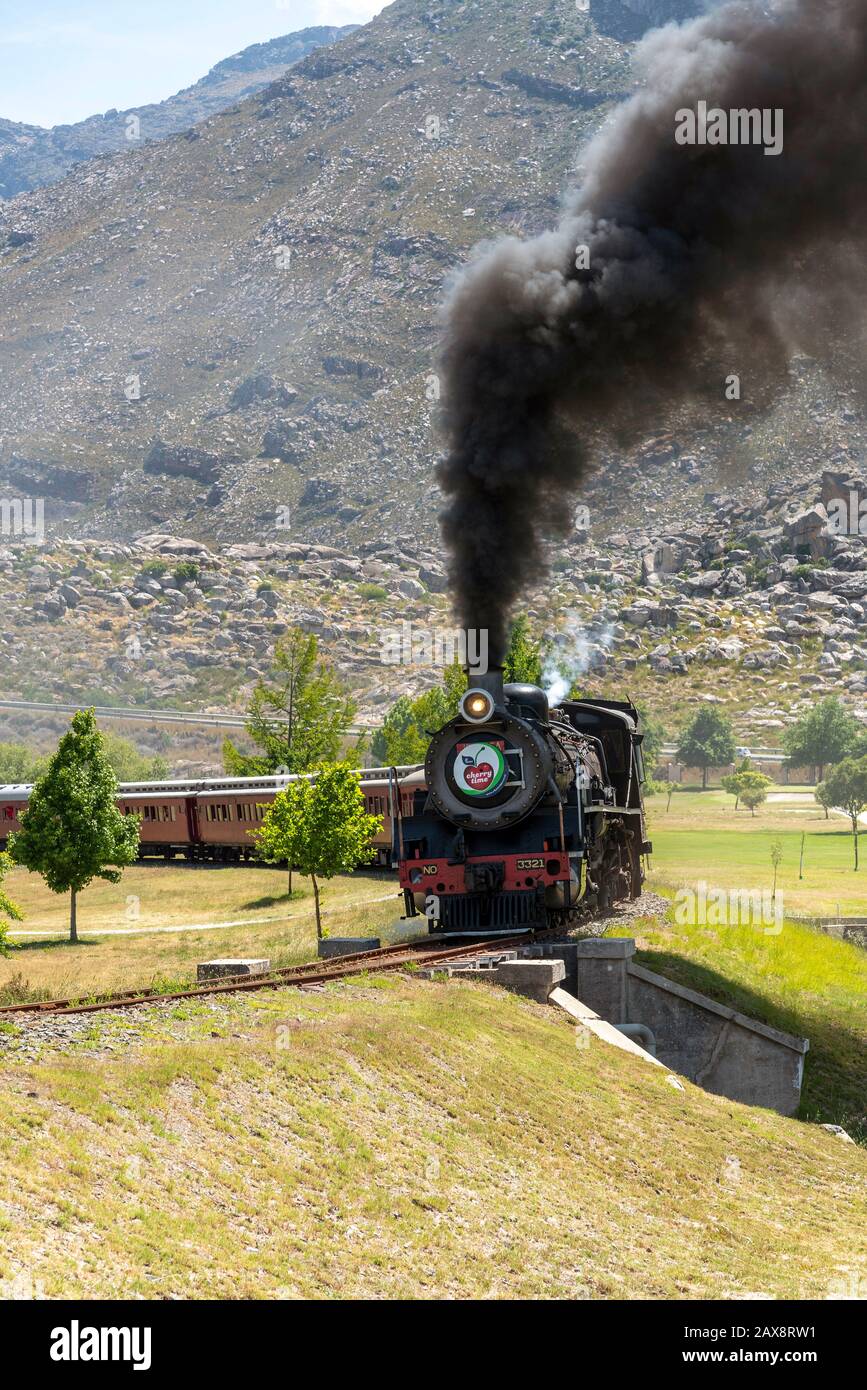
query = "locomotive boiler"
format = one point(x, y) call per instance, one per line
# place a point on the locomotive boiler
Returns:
point(529, 816)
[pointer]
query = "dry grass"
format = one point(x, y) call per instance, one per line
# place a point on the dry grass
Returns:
point(159, 896)
point(393, 1139)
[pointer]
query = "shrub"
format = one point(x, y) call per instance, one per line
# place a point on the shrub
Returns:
point(373, 591)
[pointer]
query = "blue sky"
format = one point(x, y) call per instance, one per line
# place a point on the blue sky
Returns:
point(62, 60)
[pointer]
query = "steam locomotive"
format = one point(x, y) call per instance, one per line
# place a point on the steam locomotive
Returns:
point(529, 817)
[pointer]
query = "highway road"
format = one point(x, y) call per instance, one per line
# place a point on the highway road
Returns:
point(136, 712)
point(762, 755)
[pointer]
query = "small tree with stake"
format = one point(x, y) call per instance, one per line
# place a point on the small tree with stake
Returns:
point(776, 861)
point(72, 831)
point(320, 826)
point(753, 789)
point(846, 787)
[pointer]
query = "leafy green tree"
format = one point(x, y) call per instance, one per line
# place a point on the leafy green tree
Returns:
point(72, 831)
point(706, 741)
point(754, 789)
point(820, 792)
point(387, 744)
point(298, 721)
point(320, 826)
point(129, 765)
point(19, 764)
point(9, 911)
point(731, 785)
point(734, 783)
point(825, 734)
point(846, 788)
point(523, 660)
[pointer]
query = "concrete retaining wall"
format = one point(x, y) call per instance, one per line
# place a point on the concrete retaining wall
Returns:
point(853, 931)
point(331, 946)
point(716, 1047)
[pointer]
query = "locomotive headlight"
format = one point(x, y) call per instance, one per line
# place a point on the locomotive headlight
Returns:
point(477, 706)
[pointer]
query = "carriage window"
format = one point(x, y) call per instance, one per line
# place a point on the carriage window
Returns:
point(8, 812)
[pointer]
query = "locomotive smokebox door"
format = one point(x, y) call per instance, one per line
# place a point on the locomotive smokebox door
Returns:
point(490, 776)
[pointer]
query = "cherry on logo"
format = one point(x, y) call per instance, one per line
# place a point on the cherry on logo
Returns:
point(480, 776)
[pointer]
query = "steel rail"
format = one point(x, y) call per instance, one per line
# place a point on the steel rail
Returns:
point(314, 972)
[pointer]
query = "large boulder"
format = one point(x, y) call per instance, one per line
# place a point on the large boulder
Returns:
point(261, 387)
point(433, 579)
point(659, 561)
point(635, 616)
point(178, 460)
point(809, 530)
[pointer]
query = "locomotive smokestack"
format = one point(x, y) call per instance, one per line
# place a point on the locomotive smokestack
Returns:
point(490, 680)
point(720, 224)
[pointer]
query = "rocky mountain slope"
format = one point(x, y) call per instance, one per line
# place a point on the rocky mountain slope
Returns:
point(31, 156)
point(233, 332)
point(758, 606)
point(222, 347)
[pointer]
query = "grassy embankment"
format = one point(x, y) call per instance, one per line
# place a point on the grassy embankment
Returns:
point(365, 1142)
point(798, 979)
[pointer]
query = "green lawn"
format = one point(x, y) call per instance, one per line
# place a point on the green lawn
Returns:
point(702, 837)
point(799, 979)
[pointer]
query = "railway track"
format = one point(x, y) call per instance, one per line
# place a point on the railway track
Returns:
point(315, 972)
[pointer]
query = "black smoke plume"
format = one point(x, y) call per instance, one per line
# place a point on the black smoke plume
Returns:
point(705, 260)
